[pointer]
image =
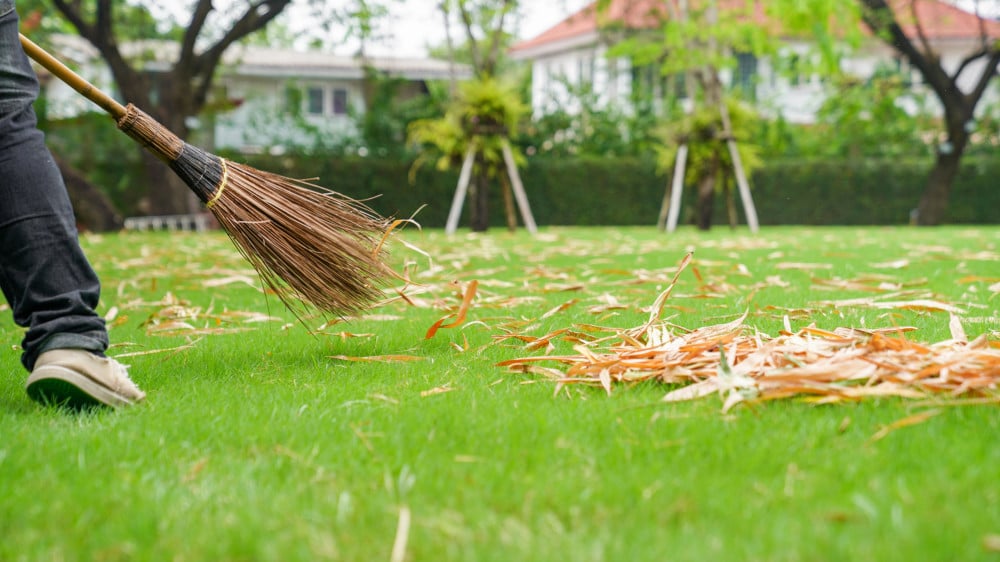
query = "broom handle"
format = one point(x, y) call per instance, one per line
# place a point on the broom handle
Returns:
point(72, 79)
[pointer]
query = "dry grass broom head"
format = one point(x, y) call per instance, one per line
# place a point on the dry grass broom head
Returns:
point(314, 248)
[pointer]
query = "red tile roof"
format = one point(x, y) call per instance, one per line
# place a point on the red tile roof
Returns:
point(939, 20)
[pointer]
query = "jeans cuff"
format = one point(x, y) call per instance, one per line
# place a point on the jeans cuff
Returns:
point(67, 340)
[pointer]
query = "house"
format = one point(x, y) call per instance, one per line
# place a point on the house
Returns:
point(280, 90)
point(574, 53)
point(264, 99)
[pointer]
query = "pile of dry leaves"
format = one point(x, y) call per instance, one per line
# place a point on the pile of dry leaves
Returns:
point(745, 366)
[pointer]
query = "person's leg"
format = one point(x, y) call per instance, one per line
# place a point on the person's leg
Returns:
point(44, 275)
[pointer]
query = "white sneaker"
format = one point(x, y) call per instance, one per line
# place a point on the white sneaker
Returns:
point(79, 379)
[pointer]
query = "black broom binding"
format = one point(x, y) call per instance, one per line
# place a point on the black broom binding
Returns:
point(200, 170)
point(314, 248)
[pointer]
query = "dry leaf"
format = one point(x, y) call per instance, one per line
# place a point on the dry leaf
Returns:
point(437, 390)
point(378, 358)
point(470, 292)
point(905, 422)
point(826, 366)
point(957, 332)
point(992, 543)
point(898, 264)
point(562, 307)
point(803, 266)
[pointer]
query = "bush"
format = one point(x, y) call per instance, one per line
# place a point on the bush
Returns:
point(628, 191)
point(868, 191)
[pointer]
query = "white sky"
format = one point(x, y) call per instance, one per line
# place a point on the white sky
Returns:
point(417, 23)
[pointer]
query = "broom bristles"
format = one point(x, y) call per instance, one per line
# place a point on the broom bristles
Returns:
point(311, 247)
point(318, 247)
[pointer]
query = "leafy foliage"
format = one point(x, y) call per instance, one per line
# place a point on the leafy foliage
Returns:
point(483, 115)
point(593, 128)
point(702, 132)
point(868, 118)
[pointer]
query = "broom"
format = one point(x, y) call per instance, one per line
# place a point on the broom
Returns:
point(311, 247)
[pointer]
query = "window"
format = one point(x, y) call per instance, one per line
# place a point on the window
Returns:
point(585, 72)
point(745, 78)
point(314, 97)
point(680, 85)
point(339, 101)
point(796, 70)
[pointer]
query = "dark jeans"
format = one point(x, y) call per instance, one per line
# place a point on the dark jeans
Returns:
point(44, 275)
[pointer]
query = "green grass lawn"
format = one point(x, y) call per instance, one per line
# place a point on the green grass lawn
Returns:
point(262, 441)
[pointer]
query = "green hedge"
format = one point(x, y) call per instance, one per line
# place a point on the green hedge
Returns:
point(588, 191)
point(870, 192)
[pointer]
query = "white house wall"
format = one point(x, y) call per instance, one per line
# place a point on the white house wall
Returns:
point(554, 75)
point(263, 122)
point(776, 93)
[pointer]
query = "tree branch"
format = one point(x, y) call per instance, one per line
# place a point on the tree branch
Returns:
point(100, 35)
point(880, 18)
point(450, 45)
point(920, 30)
point(988, 74)
point(258, 15)
point(71, 11)
point(969, 60)
point(497, 35)
point(473, 44)
point(201, 11)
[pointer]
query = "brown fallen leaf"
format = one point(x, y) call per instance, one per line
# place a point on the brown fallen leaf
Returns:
point(905, 422)
point(459, 316)
point(436, 390)
point(803, 266)
point(957, 331)
point(824, 366)
point(561, 308)
point(897, 264)
point(377, 358)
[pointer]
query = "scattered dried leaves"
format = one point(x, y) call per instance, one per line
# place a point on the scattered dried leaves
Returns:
point(744, 366)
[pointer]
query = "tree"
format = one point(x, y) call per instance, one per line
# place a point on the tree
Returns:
point(479, 120)
point(180, 92)
point(864, 118)
point(959, 106)
point(833, 24)
point(695, 41)
point(487, 110)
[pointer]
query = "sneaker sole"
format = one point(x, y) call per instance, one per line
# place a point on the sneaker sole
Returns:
point(59, 386)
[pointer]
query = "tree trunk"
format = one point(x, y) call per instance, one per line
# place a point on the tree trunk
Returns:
point(91, 206)
point(706, 194)
point(934, 201)
point(508, 203)
point(479, 205)
point(166, 193)
point(727, 189)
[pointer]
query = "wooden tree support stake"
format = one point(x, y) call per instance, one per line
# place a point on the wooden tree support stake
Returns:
point(465, 176)
point(519, 195)
point(741, 181)
point(460, 191)
point(671, 208)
